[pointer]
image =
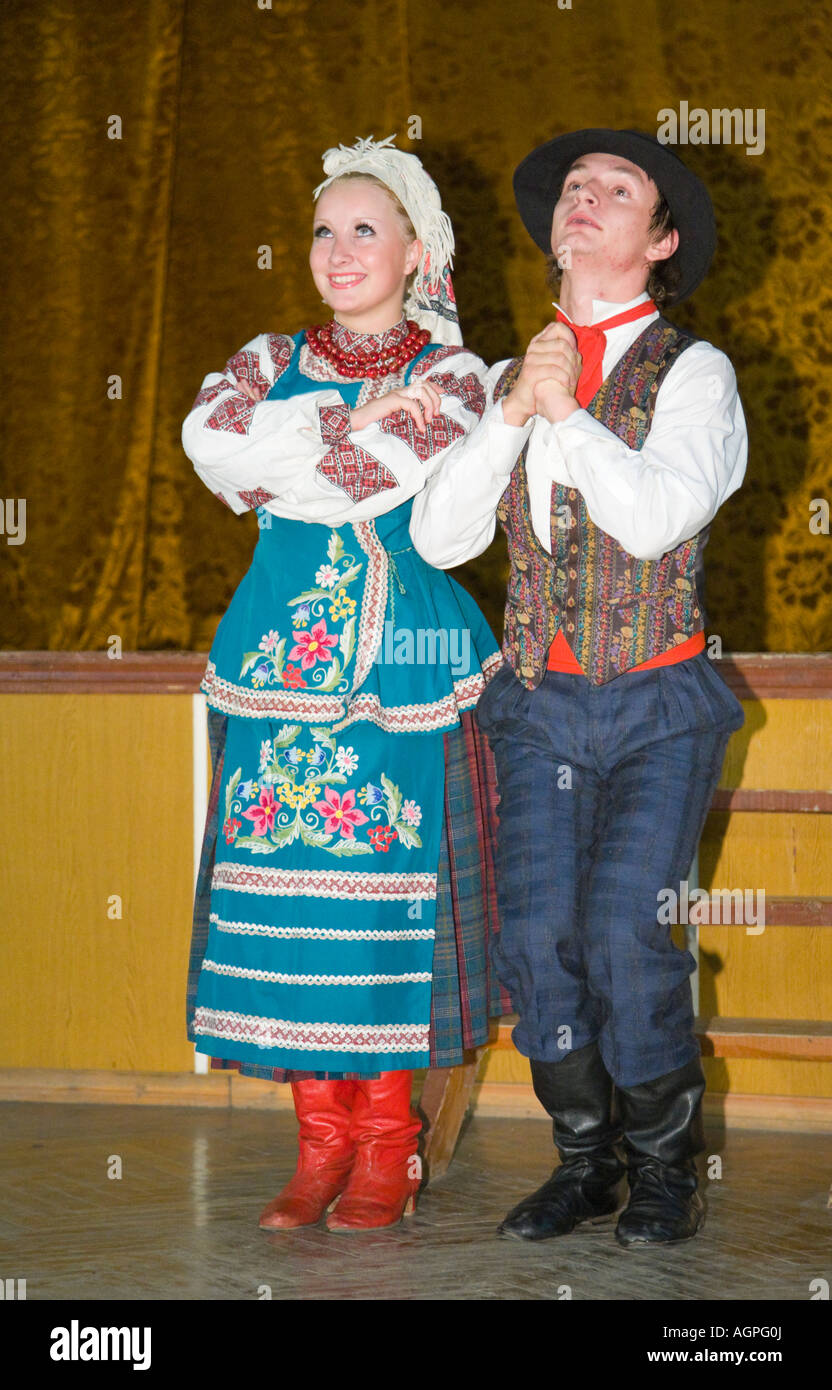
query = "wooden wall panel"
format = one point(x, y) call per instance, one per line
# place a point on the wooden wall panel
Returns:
point(784, 744)
point(788, 855)
point(97, 791)
point(97, 797)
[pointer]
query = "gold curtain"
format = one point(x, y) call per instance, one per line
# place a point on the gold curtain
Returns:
point(137, 258)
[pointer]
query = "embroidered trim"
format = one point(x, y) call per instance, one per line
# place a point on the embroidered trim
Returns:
point(317, 367)
point(320, 933)
point(312, 1037)
point(355, 471)
point(439, 433)
point(268, 704)
point(440, 714)
point(334, 422)
point(281, 348)
point(210, 393)
point(373, 602)
point(245, 366)
point(329, 883)
point(432, 359)
point(257, 497)
point(234, 413)
point(374, 387)
point(369, 345)
point(278, 704)
point(468, 388)
point(276, 977)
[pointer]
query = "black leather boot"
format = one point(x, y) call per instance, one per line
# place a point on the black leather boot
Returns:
point(577, 1093)
point(662, 1123)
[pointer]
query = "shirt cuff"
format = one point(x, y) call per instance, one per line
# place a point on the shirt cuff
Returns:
point(578, 426)
point(581, 432)
point(505, 442)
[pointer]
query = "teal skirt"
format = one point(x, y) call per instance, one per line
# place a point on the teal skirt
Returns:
point(463, 990)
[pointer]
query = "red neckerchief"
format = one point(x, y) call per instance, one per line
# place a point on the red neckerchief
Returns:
point(592, 343)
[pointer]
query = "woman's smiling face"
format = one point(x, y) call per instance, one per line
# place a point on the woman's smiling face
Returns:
point(359, 257)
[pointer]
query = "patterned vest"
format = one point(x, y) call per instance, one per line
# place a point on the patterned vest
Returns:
point(615, 611)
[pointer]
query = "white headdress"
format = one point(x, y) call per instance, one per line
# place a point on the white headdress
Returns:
point(431, 301)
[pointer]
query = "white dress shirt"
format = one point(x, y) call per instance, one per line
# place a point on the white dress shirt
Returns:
point(650, 500)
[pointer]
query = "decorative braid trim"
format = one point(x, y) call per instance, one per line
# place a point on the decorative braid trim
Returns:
point(284, 704)
point(312, 1037)
point(268, 704)
point(331, 883)
point(320, 933)
point(373, 601)
point(276, 977)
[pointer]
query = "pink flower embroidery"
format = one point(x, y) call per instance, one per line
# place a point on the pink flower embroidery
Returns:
point(263, 813)
point(341, 814)
point(313, 646)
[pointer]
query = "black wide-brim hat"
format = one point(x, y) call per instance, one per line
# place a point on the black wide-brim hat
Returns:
point(538, 183)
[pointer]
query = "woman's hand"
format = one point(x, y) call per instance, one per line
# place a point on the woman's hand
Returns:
point(254, 393)
point(420, 400)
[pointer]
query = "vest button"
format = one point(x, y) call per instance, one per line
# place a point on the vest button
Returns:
point(573, 549)
point(573, 574)
point(570, 627)
point(572, 494)
point(696, 612)
point(570, 603)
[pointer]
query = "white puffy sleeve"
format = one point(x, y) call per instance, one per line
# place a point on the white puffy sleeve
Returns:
point(693, 459)
point(453, 519)
point(298, 457)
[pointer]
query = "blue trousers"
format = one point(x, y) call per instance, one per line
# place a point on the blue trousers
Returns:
point(604, 792)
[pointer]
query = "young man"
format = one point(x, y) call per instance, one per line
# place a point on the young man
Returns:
point(608, 722)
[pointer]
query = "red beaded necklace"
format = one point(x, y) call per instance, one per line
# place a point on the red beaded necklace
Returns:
point(383, 361)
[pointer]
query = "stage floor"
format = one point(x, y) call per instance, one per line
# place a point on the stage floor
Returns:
point(181, 1221)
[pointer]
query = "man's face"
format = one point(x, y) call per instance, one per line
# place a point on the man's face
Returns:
point(603, 216)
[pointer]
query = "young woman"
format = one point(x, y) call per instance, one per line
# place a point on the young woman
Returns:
point(343, 904)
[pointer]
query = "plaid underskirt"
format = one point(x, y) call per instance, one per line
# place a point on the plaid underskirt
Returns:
point(465, 992)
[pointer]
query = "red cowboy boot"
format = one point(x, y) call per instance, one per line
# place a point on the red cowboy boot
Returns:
point(326, 1154)
point(387, 1169)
